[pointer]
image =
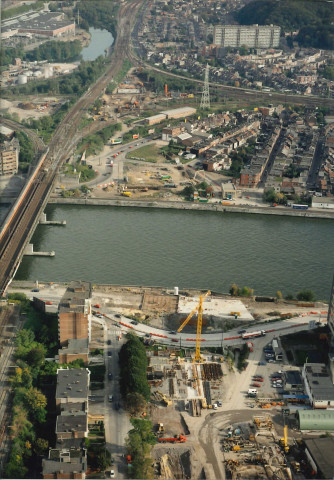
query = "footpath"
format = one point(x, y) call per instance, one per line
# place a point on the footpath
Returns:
point(212, 207)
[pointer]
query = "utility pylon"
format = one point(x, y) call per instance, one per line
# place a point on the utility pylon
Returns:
point(205, 100)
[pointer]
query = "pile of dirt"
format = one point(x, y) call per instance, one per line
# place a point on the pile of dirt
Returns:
point(27, 106)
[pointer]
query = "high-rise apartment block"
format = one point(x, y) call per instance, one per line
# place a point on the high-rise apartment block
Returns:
point(9, 157)
point(253, 36)
point(74, 317)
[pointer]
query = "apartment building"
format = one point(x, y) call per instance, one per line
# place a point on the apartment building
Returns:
point(9, 157)
point(74, 317)
point(254, 36)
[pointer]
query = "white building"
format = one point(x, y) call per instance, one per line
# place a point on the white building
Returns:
point(318, 385)
point(254, 36)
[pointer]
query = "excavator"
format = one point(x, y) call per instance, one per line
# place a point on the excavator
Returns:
point(284, 441)
point(199, 309)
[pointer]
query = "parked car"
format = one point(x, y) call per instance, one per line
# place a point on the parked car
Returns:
point(109, 376)
point(243, 330)
point(117, 315)
point(134, 322)
point(35, 290)
point(109, 353)
point(112, 474)
point(97, 305)
point(262, 363)
point(110, 398)
point(109, 342)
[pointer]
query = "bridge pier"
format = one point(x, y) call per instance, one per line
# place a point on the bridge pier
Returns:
point(29, 250)
point(44, 221)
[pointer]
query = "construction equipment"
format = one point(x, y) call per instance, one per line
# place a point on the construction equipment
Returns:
point(175, 439)
point(164, 398)
point(284, 441)
point(161, 428)
point(126, 194)
point(199, 309)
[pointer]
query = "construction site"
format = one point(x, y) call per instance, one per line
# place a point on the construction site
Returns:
point(255, 450)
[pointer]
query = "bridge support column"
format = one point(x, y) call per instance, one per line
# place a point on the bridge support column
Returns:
point(29, 250)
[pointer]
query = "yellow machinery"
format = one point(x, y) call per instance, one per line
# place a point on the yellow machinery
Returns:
point(284, 441)
point(199, 309)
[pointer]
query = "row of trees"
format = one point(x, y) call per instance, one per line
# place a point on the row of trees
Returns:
point(94, 143)
point(136, 392)
point(270, 196)
point(139, 443)
point(235, 291)
point(52, 51)
point(133, 364)
point(29, 405)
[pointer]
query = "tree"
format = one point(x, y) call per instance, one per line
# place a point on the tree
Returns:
point(246, 292)
point(21, 425)
point(289, 296)
point(36, 402)
point(41, 446)
point(270, 196)
point(36, 356)
point(279, 295)
point(234, 290)
point(135, 403)
point(306, 295)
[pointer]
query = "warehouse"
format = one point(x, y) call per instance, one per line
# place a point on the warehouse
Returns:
point(319, 452)
point(319, 420)
point(318, 385)
point(180, 112)
point(50, 24)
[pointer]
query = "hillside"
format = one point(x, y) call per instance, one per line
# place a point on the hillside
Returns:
point(316, 15)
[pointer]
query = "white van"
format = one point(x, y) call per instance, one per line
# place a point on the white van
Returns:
point(252, 390)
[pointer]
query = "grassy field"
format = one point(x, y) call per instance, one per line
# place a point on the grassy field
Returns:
point(148, 153)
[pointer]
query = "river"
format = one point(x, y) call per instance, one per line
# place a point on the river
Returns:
point(99, 42)
point(134, 246)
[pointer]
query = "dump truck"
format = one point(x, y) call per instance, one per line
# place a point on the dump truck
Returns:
point(175, 439)
point(161, 427)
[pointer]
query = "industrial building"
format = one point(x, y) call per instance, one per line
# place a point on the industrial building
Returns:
point(318, 385)
point(319, 452)
point(181, 112)
point(321, 420)
point(253, 36)
point(74, 317)
point(293, 380)
point(45, 23)
point(9, 157)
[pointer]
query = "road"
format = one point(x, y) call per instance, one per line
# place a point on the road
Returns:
point(317, 161)
point(116, 420)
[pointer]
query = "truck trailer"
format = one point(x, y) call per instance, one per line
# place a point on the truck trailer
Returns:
point(259, 333)
point(175, 439)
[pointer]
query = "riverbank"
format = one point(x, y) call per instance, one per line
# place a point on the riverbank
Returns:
point(212, 207)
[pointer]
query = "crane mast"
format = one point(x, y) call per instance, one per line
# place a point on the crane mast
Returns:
point(198, 308)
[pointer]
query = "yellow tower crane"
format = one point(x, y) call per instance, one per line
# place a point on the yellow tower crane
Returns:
point(199, 309)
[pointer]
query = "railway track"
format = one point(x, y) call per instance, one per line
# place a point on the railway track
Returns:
point(20, 227)
point(39, 145)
